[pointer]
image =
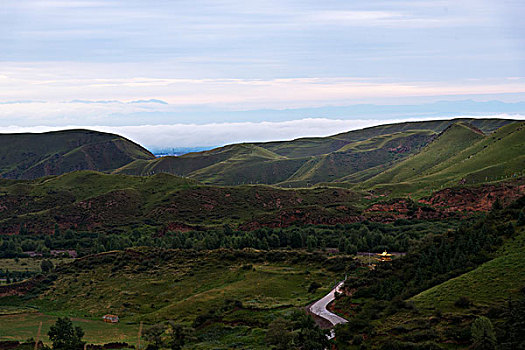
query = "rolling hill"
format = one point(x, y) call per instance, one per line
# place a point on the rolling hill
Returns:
point(29, 156)
point(461, 154)
point(348, 157)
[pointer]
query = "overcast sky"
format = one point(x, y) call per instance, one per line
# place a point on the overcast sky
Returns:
point(181, 63)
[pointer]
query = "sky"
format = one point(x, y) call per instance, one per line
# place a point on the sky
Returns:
point(207, 73)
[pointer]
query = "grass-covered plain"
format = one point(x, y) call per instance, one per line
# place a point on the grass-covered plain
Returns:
point(21, 325)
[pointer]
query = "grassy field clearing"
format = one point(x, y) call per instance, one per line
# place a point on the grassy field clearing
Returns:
point(29, 264)
point(236, 294)
point(25, 325)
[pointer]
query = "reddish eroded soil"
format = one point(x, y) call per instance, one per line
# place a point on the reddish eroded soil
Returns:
point(446, 203)
point(19, 288)
point(474, 199)
point(315, 216)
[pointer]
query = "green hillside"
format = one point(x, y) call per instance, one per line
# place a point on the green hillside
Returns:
point(29, 156)
point(494, 282)
point(460, 155)
point(430, 298)
point(353, 156)
point(93, 201)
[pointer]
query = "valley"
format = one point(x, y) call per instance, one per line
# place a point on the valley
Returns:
point(229, 248)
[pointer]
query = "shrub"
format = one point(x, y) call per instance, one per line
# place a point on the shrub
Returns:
point(483, 335)
point(463, 302)
point(313, 287)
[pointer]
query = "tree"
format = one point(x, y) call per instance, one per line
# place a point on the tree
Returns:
point(521, 219)
point(298, 331)
point(166, 335)
point(177, 335)
point(64, 336)
point(515, 324)
point(311, 243)
point(483, 335)
point(350, 249)
point(279, 334)
point(46, 266)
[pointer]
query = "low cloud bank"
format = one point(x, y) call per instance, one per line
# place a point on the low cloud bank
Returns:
point(218, 134)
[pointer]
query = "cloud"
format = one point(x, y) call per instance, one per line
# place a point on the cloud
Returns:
point(102, 83)
point(218, 134)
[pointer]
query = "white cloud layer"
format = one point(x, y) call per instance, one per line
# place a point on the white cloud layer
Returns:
point(218, 134)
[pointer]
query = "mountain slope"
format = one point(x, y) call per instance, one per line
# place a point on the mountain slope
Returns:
point(29, 156)
point(306, 161)
point(491, 283)
point(451, 141)
point(88, 200)
point(459, 155)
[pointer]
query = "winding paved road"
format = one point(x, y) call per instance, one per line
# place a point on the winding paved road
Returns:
point(319, 308)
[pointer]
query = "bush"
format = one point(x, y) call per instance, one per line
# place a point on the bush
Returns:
point(357, 339)
point(313, 287)
point(483, 335)
point(463, 302)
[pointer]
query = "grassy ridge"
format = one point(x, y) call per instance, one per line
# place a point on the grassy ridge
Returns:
point(452, 141)
point(28, 156)
point(458, 155)
point(94, 201)
point(306, 161)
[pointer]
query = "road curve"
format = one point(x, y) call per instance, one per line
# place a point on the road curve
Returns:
point(319, 308)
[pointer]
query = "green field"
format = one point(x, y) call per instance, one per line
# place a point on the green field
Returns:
point(243, 290)
point(29, 264)
point(22, 326)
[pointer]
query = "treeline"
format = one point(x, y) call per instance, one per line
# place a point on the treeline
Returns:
point(349, 238)
point(434, 260)
point(437, 258)
point(14, 276)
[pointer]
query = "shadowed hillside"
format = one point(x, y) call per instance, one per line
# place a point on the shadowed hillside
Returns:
point(29, 156)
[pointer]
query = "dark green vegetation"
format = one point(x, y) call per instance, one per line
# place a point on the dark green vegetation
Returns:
point(348, 157)
point(29, 156)
point(430, 297)
point(349, 238)
point(65, 336)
